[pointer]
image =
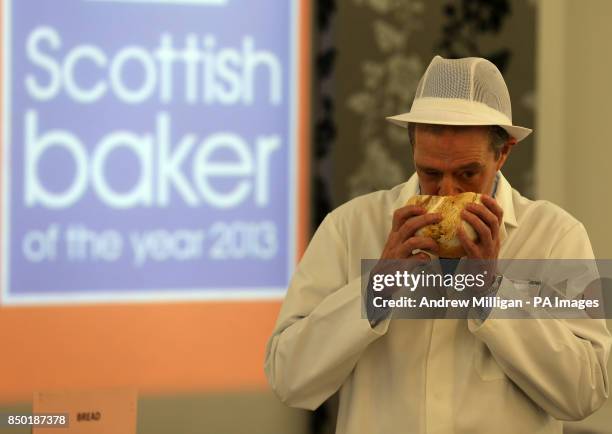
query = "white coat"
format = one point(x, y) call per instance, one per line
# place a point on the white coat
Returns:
point(426, 375)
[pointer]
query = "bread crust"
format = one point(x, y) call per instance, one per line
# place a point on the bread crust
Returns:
point(445, 232)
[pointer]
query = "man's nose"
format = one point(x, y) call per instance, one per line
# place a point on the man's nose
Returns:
point(448, 187)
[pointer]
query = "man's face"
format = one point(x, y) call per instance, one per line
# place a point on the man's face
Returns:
point(456, 160)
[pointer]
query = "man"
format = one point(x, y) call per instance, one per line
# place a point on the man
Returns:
point(480, 375)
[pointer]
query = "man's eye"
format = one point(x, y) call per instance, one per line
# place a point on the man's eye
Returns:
point(468, 174)
point(432, 173)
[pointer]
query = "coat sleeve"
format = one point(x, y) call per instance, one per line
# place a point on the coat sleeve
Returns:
point(561, 364)
point(320, 332)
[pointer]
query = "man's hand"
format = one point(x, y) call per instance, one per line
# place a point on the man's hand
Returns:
point(486, 219)
point(401, 240)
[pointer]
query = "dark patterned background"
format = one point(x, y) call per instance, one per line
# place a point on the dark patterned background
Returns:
point(370, 56)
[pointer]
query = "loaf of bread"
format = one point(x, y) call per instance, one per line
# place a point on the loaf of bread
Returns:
point(445, 232)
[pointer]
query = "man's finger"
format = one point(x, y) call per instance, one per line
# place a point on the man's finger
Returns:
point(483, 231)
point(410, 226)
point(402, 214)
point(493, 206)
point(422, 243)
point(468, 245)
point(485, 215)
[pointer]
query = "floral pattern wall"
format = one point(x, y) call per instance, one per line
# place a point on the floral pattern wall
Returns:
point(381, 49)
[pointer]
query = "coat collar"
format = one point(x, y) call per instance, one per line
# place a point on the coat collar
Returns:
point(503, 195)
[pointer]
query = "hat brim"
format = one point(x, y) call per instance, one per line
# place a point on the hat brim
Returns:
point(437, 117)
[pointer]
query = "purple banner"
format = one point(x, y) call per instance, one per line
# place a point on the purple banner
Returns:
point(149, 149)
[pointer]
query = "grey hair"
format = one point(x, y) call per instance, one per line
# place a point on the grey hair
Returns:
point(497, 135)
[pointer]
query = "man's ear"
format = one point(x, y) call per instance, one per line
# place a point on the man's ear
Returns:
point(505, 151)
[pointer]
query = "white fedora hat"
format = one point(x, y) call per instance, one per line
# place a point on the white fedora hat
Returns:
point(469, 91)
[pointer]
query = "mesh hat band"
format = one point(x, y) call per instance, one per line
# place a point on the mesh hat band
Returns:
point(460, 106)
